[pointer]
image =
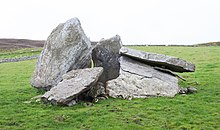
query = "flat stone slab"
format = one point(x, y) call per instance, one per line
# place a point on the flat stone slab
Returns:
point(138, 80)
point(160, 60)
point(74, 84)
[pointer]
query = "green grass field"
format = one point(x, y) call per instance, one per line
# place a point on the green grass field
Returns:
point(200, 111)
point(19, 53)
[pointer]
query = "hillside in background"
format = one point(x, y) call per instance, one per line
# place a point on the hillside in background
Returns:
point(20, 43)
point(6, 44)
point(209, 44)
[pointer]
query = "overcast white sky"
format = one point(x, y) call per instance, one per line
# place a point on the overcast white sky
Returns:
point(136, 21)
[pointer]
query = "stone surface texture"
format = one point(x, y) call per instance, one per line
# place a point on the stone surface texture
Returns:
point(160, 60)
point(138, 80)
point(66, 48)
point(96, 90)
point(169, 72)
point(106, 54)
point(74, 83)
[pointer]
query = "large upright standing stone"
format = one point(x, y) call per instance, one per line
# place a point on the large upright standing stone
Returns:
point(106, 55)
point(66, 48)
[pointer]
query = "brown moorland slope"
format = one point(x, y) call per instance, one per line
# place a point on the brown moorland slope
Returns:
point(6, 43)
point(209, 44)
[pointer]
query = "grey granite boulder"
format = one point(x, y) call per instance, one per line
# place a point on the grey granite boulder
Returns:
point(66, 48)
point(96, 90)
point(74, 84)
point(138, 80)
point(106, 54)
point(160, 60)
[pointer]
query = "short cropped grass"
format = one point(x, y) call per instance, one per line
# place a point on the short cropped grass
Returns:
point(200, 111)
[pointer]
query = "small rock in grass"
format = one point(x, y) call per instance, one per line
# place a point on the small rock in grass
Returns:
point(191, 89)
point(187, 90)
point(183, 91)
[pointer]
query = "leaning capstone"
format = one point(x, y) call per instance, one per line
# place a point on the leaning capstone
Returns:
point(106, 55)
point(160, 60)
point(74, 84)
point(66, 48)
point(138, 80)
